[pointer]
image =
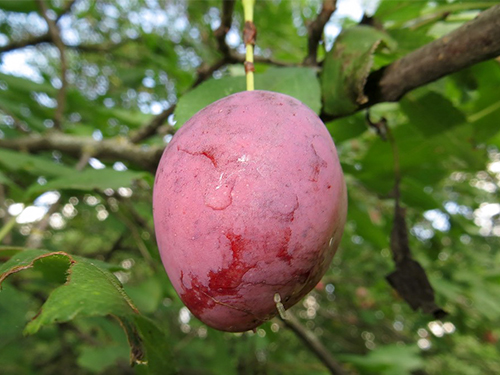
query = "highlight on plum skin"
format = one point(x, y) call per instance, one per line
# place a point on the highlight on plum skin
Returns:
point(249, 202)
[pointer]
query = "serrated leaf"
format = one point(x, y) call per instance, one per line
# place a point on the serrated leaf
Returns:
point(431, 113)
point(89, 289)
point(300, 83)
point(20, 260)
point(88, 180)
point(346, 68)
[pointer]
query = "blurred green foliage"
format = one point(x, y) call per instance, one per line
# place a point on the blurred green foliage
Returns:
point(97, 297)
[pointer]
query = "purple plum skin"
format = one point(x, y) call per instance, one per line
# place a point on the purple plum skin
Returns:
point(249, 201)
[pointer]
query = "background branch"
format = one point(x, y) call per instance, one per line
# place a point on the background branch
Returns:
point(225, 25)
point(45, 38)
point(314, 344)
point(150, 128)
point(107, 149)
point(315, 31)
point(475, 41)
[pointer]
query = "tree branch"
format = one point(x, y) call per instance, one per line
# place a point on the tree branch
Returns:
point(475, 41)
point(45, 38)
point(315, 31)
point(107, 149)
point(150, 128)
point(313, 344)
point(225, 25)
point(55, 36)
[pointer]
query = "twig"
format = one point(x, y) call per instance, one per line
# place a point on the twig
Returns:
point(409, 279)
point(150, 128)
point(110, 149)
point(225, 25)
point(206, 71)
point(33, 41)
point(315, 30)
point(55, 36)
point(314, 344)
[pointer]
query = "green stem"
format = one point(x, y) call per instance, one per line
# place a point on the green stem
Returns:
point(248, 15)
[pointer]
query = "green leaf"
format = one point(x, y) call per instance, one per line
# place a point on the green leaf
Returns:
point(431, 113)
point(99, 358)
point(25, 6)
point(413, 194)
point(159, 356)
point(4, 179)
point(20, 100)
point(388, 360)
point(300, 83)
point(35, 165)
point(19, 260)
point(346, 68)
point(147, 295)
point(88, 180)
point(13, 307)
point(90, 290)
point(347, 128)
point(399, 11)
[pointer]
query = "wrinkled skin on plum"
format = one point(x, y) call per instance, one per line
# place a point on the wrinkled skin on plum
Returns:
point(249, 201)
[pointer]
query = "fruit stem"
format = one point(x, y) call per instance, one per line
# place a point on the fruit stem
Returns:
point(249, 34)
point(280, 307)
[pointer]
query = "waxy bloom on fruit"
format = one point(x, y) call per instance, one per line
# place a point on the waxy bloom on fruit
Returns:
point(249, 202)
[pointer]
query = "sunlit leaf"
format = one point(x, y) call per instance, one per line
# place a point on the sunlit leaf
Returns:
point(300, 83)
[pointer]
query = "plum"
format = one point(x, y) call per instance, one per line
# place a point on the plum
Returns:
point(249, 204)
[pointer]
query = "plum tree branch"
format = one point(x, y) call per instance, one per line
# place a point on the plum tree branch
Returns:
point(314, 344)
point(152, 126)
point(315, 31)
point(107, 149)
point(35, 40)
point(225, 25)
point(475, 41)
